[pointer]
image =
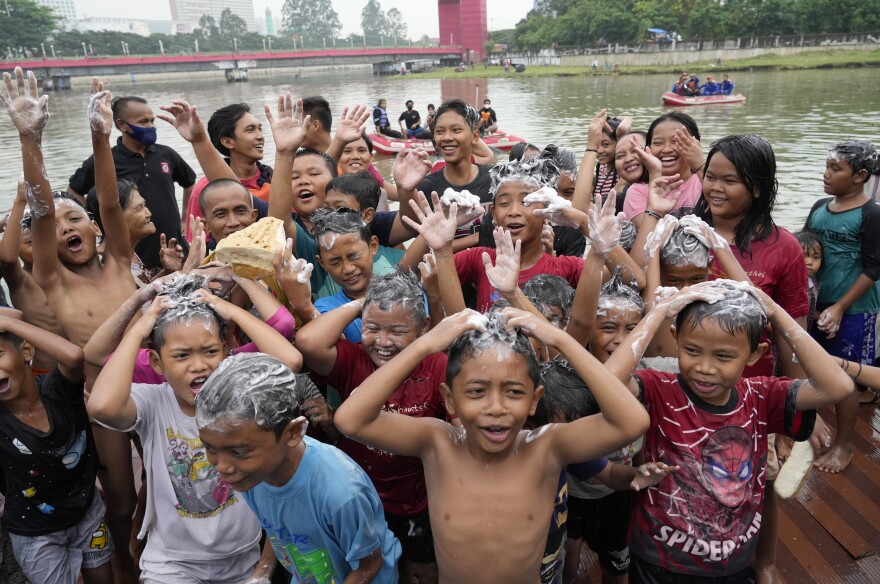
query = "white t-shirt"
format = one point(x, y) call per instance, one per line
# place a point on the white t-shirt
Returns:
point(191, 514)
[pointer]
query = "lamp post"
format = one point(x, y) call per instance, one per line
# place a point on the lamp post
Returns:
point(270, 44)
point(52, 49)
point(234, 45)
point(43, 49)
point(161, 47)
point(85, 52)
point(196, 42)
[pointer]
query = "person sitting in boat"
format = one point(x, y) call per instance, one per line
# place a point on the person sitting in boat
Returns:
point(680, 86)
point(710, 87)
point(411, 122)
point(693, 86)
point(726, 85)
point(429, 121)
point(489, 121)
point(380, 120)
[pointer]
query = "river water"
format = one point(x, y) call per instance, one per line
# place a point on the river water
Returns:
point(801, 113)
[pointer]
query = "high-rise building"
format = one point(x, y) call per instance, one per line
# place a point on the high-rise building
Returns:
point(464, 23)
point(63, 8)
point(270, 23)
point(186, 13)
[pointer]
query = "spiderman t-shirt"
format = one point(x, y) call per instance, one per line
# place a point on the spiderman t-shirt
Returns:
point(704, 519)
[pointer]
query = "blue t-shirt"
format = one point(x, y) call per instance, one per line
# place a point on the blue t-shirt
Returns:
point(327, 303)
point(325, 519)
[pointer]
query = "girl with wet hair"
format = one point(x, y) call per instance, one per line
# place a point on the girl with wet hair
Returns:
point(848, 226)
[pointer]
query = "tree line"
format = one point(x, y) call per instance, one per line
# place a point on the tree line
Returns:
point(591, 22)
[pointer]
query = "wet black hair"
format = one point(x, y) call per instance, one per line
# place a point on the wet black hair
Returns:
point(681, 118)
point(219, 184)
point(318, 107)
point(566, 396)
point(328, 160)
point(809, 241)
point(859, 154)
point(222, 124)
point(550, 290)
point(458, 106)
point(755, 164)
point(118, 105)
point(737, 312)
point(473, 343)
point(400, 287)
point(184, 308)
point(617, 288)
point(125, 187)
point(564, 159)
point(519, 150)
point(611, 129)
point(326, 220)
point(361, 185)
point(537, 171)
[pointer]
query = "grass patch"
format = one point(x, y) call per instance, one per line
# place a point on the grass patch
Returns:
point(827, 59)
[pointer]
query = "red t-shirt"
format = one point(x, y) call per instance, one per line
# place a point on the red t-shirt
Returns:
point(469, 265)
point(776, 265)
point(400, 480)
point(704, 519)
point(258, 188)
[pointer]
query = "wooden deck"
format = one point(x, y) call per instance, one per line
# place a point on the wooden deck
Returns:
point(830, 531)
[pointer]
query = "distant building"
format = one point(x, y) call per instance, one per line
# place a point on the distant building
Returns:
point(185, 14)
point(464, 23)
point(270, 23)
point(96, 23)
point(63, 8)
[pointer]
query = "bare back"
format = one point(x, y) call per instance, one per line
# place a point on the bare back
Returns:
point(30, 299)
point(490, 520)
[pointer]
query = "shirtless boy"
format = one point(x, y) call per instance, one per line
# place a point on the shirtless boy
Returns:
point(491, 485)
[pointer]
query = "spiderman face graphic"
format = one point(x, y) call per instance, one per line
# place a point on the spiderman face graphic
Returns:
point(727, 466)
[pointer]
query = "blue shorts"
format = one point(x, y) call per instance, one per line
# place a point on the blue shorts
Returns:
point(854, 340)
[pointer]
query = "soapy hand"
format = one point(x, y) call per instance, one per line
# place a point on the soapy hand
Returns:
point(504, 275)
point(703, 292)
point(29, 111)
point(557, 210)
point(436, 226)
point(693, 225)
point(661, 234)
point(605, 226)
point(100, 112)
point(289, 129)
point(469, 207)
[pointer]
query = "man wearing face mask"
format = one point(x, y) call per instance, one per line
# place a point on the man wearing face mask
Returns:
point(489, 121)
point(154, 167)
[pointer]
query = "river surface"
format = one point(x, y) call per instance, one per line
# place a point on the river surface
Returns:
point(801, 113)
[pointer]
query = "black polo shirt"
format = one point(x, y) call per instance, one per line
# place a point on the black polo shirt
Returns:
point(410, 118)
point(155, 174)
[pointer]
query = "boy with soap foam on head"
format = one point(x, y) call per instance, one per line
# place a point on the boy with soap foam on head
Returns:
point(491, 486)
point(713, 423)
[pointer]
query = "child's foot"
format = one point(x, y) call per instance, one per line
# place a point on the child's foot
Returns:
point(836, 459)
point(869, 397)
point(767, 574)
point(783, 448)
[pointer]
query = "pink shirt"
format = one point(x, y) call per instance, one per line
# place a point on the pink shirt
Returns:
point(637, 196)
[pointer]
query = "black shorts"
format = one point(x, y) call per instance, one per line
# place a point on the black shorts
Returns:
point(415, 536)
point(642, 572)
point(604, 524)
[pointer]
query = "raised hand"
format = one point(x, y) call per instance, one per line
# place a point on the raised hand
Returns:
point(595, 129)
point(29, 111)
point(624, 126)
point(170, 254)
point(351, 126)
point(469, 207)
point(605, 226)
point(289, 129)
point(147, 321)
point(504, 275)
point(436, 226)
point(650, 474)
point(452, 327)
point(225, 309)
point(661, 234)
point(428, 270)
point(198, 248)
point(558, 210)
point(662, 194)
point(100, 112)
point(548, 238)
point(294, 275)
point(317, 410)
point(689, 148)
point(184, 119)
point(649, 161)
point(410, 167)
point(693, 225)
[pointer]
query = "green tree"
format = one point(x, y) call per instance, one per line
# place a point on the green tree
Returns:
point(396, 25)
point(208, 26)
point(374, 22)
point(25, 26)
point(313, 18)
point(231, 24)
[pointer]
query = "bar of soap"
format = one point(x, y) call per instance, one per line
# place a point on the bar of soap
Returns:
point(250, 251)
point(795, 470)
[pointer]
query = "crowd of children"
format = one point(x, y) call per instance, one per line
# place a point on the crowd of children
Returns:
point(524, 360)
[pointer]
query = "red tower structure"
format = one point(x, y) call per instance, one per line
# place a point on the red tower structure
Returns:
point(464, 22)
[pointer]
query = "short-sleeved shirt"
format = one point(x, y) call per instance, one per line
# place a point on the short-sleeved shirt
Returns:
point(155, 174)
point(851, 247)
point(776, 265)
point(567, 241)
point(480, 186)
point(258, 185)
point(50, 477)
point(400, 480)
point(637, 196)
point(410, 118)
point(325, 519)
point(470, 268)
point(191, 514)
point(384, 262)
point(704, 519)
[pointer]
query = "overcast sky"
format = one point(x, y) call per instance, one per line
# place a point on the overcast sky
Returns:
point(420, 15)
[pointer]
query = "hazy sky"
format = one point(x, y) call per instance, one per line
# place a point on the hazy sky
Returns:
point(420, 15)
